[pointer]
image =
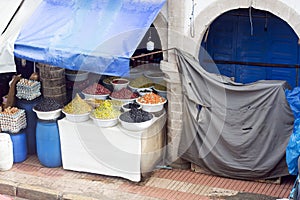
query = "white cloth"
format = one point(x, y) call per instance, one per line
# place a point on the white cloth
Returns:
point(7, 40)
point(8, 9)
point(110, 151)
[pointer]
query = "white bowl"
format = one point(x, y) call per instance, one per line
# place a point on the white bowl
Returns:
point(152, 107)
point(134, 89)
point(77, 117)
point(156, 77)
point(143, 91)
point(78, 76)
point(95, 96)
point(119, 86)
point(136, 126)
point(104, 122)
point(124, 100)
point(47, 115)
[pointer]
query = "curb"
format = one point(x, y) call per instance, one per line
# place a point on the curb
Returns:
point(8, 188)
point(31, 192)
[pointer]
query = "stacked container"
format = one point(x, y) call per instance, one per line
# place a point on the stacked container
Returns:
point(48, 143)
point(6, 152)
point(53, 82)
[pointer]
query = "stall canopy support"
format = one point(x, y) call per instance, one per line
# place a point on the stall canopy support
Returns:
point(149, 54)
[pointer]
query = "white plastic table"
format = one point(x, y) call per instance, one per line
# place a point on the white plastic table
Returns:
point(112, 151)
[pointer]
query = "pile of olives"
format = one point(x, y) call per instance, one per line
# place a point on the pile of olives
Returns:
point(47, 104)
point(136, 116)
point(132, 105)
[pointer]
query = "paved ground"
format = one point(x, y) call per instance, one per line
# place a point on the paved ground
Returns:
point(30, 180)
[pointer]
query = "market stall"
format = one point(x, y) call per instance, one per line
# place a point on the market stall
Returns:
point(102, 48)
point(112, 151)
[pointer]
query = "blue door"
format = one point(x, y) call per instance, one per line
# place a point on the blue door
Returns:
point(263, 47)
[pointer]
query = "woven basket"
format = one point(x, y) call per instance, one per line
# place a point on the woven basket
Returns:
point(50, 72)
point(54, 82)
point(60, 98)
point(58, 90)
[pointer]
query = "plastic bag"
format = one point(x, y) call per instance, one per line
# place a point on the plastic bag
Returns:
point(294, 194)
point(293, 98)
point(293, 149)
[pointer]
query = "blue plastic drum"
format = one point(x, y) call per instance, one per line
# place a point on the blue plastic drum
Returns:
point(19, 146)
point(31, 120)
point(48, 143)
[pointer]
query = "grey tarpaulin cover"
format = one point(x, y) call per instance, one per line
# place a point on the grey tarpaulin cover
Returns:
point(241, 130)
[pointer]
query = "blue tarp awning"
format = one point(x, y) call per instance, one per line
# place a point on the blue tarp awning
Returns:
point(92, 35)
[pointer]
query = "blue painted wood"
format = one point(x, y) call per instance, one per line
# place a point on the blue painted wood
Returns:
point(272, 41)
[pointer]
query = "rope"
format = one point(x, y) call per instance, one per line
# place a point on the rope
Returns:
point(251, 23)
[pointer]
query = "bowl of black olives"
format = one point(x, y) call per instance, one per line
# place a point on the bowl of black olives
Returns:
point(130, 105)
point(136, 119)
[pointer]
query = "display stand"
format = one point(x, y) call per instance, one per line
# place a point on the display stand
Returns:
point(112, 151)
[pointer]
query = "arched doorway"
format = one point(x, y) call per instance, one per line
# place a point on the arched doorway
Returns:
point(250, 45)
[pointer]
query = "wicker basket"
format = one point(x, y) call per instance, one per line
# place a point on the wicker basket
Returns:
point(54, 82)
point(50, 91)
point(60, 98)
point(50, 72)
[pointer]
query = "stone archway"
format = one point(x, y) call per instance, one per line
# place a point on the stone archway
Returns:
point(210, 13)
point(161, 25)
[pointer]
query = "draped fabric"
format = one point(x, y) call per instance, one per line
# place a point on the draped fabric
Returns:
point(231, 129)
point(13, 15)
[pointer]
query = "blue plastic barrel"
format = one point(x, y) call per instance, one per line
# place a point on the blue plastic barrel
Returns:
point(31, 119)
point(19, 143)
point(48, 143)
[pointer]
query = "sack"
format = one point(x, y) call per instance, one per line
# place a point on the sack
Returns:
point(295, 192)
point(293, 149)
point(293, 98)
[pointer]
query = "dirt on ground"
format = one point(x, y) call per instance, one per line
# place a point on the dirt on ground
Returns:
point(249, 196)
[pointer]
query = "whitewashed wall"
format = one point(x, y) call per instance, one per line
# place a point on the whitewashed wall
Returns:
point(205, 12)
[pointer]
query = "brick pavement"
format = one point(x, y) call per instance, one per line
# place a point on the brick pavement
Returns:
point(30, 180)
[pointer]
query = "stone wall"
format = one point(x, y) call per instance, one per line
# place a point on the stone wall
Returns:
point(174, 29)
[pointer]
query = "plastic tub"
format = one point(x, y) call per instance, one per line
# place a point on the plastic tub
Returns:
point(19, 146)
point(6, 152)
point(48, 143)
point(31, 122)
